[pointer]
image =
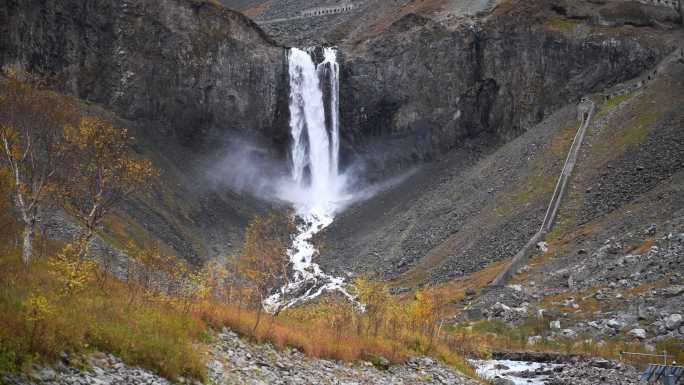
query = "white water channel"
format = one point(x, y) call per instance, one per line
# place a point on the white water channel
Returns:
point(513, 370)
point(319, 187)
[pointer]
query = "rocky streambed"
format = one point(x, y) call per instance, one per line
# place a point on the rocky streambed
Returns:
point(550, 369)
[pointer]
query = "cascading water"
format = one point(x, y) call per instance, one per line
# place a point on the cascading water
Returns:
point(319, 187)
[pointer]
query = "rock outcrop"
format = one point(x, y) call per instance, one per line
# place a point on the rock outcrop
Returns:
point(420, 88)
point(197, 69)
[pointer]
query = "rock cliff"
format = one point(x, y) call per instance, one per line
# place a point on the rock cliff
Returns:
point(196, 68)
point(421, 87)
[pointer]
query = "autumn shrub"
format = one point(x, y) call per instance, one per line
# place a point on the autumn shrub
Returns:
point(40, 320)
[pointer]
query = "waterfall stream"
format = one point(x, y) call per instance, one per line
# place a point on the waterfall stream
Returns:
point(315, 171)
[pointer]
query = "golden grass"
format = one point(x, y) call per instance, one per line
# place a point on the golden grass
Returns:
point(643, 248)
point(455, 290)
point(168, 336)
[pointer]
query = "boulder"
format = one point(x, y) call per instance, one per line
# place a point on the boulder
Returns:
point(637, 333)
point(533, 340)
point(674, 321)
point(615, 324)
point(673, 291)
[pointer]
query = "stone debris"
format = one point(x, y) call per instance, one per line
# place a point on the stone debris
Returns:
point(103, 369)
point(588, 373)
point(235, 361)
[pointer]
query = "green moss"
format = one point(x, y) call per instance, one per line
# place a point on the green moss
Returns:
point(562, 24)
point(612, 103)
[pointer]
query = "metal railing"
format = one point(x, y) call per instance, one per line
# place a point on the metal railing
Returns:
point(664, 355)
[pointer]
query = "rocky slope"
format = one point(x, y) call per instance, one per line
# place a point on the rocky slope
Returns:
point(472, 208)
point(236, 361)
point(613, 264)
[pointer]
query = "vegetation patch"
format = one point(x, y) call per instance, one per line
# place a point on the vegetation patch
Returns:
point(562, 24)
point(542, 179)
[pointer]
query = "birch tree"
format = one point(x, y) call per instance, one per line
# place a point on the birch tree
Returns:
point(263, 260)
point(31, 127)
point(103, 171)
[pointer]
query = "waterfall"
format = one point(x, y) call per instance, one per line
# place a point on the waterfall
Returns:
point(311, 139)
point(315, 172)
point(330, 63)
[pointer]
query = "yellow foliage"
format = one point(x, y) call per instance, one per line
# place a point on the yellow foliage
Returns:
point(263, 259)
point(38, 308)
point(72, 269)
point(105, 169)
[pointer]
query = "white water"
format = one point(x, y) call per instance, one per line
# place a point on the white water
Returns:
point(492, 369)
point(319, 188)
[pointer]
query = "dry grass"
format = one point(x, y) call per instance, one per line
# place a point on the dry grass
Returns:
point(455, 290)
point(643, 248)
point(256, 10)
point(38, 323)
point(168, 334)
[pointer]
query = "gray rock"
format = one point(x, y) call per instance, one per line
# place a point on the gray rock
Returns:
point(615, 324)
point(533, 340)
point(673, 291)
point(674, 321)
point(638, 333)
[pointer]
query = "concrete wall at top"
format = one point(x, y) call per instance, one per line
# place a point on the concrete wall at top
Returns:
point(322, 11)
point(674, 4)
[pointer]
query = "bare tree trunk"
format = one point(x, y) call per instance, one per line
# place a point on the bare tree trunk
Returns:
point(27, 250)
point(259, 310)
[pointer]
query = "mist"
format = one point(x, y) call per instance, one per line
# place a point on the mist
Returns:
point(248, 168)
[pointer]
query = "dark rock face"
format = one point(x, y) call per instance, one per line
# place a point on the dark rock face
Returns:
point(193, 67)
point(420, 89)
